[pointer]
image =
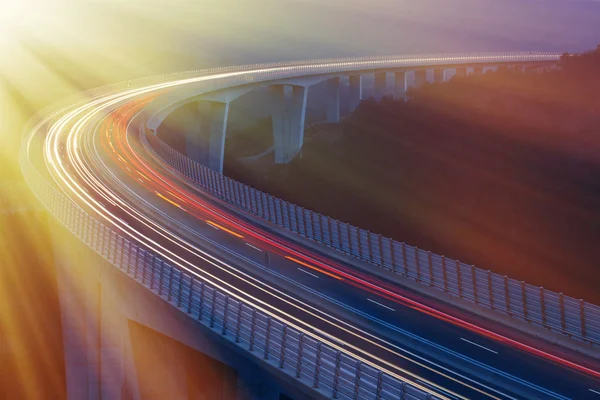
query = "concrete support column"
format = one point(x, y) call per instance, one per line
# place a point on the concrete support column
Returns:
point(213, 119)
point(81, 343)
point(333, 100)
point(478, 71)
point(400, 85)
point(461, 71)
point(117, 369)
point(380, 85)
point(438, 75)
point(420, 77)
point(355, 91)
point(206, 128)
point(195, 145)
point(289, 110)
point(98, 357)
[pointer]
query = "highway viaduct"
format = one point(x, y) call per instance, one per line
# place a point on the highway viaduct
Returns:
point(108, 316)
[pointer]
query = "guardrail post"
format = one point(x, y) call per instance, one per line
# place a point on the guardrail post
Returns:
point(380, 243)
point(298, 221)
point(370, 246)
point(490, 290)
point(330, 232)
point(238, 324)
point(339, 234)
point(582, 317)
point(417, 264)
point(404, 259)
point(349, 238)
point(317, 365)
point(445, 272)
point(267, 338)
point(336, 374)
point(283, 339)
point(201, 302)
point(180, 291)
point(299, 359)
point(524, 299)
point(318, 217)
point(379, 387)
point(431, 283)
point(474, 277)
point(357, 380)
point(160, 277)
point(393, 256)
point(543, 304)
point(312, 228)
point(507, 295)
point(189, 303)
point(561, 302)
point(257, 203)
point(252, 327)
point(459, 279)
point(224, 331)
point(213, 308)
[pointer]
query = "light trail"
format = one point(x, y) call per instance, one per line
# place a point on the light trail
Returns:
point(63, 178)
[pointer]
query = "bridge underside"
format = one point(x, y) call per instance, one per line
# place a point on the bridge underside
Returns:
point(121, 341)
point(205, 124)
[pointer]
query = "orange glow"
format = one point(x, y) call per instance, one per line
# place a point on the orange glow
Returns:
point(224, 229)
point(167, 200)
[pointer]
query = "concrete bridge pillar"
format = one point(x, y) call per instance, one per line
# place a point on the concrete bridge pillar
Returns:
point(461, 71)
point(380, 85)
point(289, 110)
point(205, 139)
point(420, 77)
point(333, 100)
point(400, 85)
point(478, 71)
point(355, 82)
point(438, 75)
point(213, 124)
point(98, 357)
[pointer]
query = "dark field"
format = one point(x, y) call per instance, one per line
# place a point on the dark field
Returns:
point(500, 170)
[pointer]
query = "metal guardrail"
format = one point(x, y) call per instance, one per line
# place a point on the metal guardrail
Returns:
point(305, 359)
point(553, 311)
point(313, 363)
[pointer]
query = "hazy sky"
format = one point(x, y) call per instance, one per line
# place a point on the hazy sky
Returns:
point(253, 30)
point(51, 48)
point(62, 46)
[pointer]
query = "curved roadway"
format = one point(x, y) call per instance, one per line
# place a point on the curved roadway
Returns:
point(95, 152)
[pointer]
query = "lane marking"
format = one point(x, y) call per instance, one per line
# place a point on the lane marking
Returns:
point(254, 247)
point(379, 304)
point(167, 199)
point(314, 268)
point(594, 391)
point(215, 225)
point(309, 273)
point(478, 345)
point(140, 179)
